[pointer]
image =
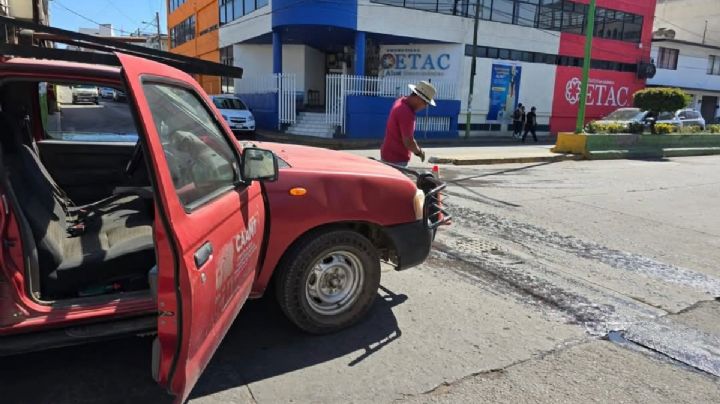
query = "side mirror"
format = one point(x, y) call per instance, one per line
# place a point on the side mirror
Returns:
point(259, 165)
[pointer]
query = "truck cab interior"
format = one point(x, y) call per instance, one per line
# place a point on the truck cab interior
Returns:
point(84, 213)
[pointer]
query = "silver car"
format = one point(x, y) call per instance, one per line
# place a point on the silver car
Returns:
point(680, 118)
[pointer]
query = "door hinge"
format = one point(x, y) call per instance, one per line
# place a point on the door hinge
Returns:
point(166, 314)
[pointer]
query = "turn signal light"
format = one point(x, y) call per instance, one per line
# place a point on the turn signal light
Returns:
point(298, 191)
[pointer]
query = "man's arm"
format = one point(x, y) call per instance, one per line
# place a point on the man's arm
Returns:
point(407, 132)
point(411, 145)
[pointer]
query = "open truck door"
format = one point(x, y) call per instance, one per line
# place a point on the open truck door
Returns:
point(208, 224)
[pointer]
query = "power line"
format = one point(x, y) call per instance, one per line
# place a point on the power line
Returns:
point(90, 19)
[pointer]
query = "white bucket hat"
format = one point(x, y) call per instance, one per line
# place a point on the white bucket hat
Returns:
point(424, 90)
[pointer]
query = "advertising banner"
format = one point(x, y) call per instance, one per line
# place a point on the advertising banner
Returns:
point(504, 92)
point(421, 62)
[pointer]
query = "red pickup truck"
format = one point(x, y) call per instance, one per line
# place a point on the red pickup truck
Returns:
point(195, 224)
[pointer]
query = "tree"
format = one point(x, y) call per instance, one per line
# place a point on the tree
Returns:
point(658, 99)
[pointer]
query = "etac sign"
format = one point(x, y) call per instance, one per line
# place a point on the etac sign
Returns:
point(420, 61)
point(600, 92)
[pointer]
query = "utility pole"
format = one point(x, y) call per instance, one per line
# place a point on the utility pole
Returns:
point(589, 31)
point(473, 67)
point(157, 22)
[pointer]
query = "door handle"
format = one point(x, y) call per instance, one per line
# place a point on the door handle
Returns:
point(203, 254)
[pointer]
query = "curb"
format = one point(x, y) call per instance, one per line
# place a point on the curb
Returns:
point(362, 144)
point(505, 160)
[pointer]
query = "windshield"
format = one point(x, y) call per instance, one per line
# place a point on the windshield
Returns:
point(229, 103)
point(665, 116)
point(623, 115)
point(106, 120)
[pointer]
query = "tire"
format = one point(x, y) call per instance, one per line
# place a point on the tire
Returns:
point(328, 281)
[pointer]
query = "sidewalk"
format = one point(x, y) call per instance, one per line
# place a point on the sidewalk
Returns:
point(482, 155)
point(475, 151)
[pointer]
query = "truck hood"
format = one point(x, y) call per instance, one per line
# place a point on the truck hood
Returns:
point(325, 160)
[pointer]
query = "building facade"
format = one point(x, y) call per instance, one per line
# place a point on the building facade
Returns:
point(357, 55)
point(193, 31)
point(693, 21)
point(692, 66)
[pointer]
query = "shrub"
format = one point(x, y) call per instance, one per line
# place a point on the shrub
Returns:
point(665, 128)
point(713, 128)
point(636, 128)
point(691, 129)
point(605, 128)
point(658, 99)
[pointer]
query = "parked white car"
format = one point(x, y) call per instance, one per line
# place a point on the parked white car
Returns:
point(235, 112)
point(106, 92)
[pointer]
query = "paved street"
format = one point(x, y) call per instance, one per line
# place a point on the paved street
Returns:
point(589, 281)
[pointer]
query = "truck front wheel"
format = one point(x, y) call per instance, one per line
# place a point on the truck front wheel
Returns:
point(329, 281)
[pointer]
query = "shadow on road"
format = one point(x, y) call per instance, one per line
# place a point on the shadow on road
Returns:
point(261, 344)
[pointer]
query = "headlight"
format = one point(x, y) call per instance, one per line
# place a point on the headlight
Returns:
point(419, 204)
point(251, 119)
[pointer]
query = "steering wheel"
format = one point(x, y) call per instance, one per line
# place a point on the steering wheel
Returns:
point(135, 159)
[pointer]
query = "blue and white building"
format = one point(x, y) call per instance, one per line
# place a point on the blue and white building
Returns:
point(334, 67)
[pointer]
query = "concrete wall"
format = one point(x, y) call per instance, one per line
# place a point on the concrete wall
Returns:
point(247, 27)
point(306, 63)
point(537, 85)
point(367, 116)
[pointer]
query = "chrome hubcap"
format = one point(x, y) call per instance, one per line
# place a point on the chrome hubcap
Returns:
point(334, 283)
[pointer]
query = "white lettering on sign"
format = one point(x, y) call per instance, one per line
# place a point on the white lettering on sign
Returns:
point(421, 61)
point(246, 235)
point(599, 93)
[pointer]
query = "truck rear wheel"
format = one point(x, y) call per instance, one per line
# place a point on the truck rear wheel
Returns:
point(329, 281)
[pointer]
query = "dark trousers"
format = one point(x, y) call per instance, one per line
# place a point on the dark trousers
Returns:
point(517, 127)
point(530, 129)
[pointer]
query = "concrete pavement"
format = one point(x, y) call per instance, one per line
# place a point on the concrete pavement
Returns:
point(589, 281)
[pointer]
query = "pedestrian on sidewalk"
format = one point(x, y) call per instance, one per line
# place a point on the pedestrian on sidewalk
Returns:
point(530, 124)
point(518, 121)
point(399, 140)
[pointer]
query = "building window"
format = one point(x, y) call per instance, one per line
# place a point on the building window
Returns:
point(183, 32)
point(668, 58)
point(526, 13)
point(227, 84)
point(573, 17)
point(174, 4)
point(546, 58)
point(713, 65)
point(554, 15)
point(231, 10)
point(502, 11)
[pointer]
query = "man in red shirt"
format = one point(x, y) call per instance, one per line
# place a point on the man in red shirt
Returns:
point(399, 140)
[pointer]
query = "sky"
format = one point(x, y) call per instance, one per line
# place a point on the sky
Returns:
point(125, 15)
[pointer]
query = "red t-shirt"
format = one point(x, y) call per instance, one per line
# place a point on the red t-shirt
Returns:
point(400, 124)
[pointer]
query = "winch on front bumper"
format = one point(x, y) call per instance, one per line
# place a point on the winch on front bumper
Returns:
point(413, 240)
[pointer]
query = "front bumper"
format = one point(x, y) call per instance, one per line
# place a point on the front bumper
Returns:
point(412, 243)
point(85, 98)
